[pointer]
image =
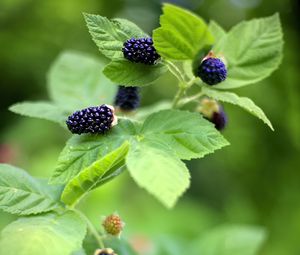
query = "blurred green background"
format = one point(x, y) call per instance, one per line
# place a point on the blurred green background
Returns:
point(254, 181)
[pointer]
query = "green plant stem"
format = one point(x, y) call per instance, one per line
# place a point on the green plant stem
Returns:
point(178, 96)
point(190, 99)
point(91, 228)
point(175, 71)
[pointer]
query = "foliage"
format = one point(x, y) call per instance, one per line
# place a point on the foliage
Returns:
point(151, 150)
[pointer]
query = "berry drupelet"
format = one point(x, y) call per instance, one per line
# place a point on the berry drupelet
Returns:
point(140, 50)
point(212, 71)
point(94, 120)
point(105, 251)
point(214, 112)
point(127, 98)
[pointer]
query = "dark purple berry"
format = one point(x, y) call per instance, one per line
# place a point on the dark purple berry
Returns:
point(219, 119)
point(127, 98)
point(212, 71)
point(214, 112)
point(94, 120)
point(140, 50)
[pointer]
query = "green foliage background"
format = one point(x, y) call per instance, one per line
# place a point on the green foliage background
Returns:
point(254, 181)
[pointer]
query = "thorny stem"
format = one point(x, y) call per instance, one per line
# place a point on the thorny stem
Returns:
point(91, 228)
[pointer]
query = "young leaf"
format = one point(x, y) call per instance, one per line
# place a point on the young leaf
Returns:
point(42, 110)
point(187, 134)
point(254, 57)
point(109, 35)
point(133, 74)
point(50, 234)
point(81, 151)
point(181, 35)
point(76, 81)
point(23, 195)
point(154, 167)
point(230, 240)
point(244, 102)
point(89, 177)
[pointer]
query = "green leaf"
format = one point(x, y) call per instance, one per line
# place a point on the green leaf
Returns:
point(154, 167)
point(42, 110)
point(181, 35)
point(243, 102)
point(23, 195)
point(49, 234)
point(89, 177)
point(133, 74)
point(230, 240)
point(81, 151)
point(188, 134)
point(109, 35)
point(76, 81)
point(145, 111)
point(254, 57)
point(217, 31)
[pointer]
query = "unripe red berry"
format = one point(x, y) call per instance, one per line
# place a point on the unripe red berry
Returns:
point(113, 225)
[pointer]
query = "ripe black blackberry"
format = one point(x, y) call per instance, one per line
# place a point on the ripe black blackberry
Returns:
point(105, 251)
point(212, 71)
point(140, 50)
point(95, 120)
point(127, 98)
point(214, 112)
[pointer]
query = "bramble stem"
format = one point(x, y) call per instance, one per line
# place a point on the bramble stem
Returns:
point(175, 71)
point(91, 228)
point(190, 99)
point(178, 96)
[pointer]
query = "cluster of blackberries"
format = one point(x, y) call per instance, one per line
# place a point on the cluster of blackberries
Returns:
point(214, 112)
point(127, 98)
point(105, 251)
point(140, 50)
point(212, 71)
point(95, 120)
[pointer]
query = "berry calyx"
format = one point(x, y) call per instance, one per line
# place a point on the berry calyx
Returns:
point(105, 251)
point(140, 50)
point(127, 98)
point(113, 225)
point(212, 71)
point(94, 120)
point(214, 112)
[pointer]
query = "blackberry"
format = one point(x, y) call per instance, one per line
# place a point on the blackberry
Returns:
point(105, 251)
point(219, 119)
point(127, 98)
point(95, 120)
point(140, 50)
point(212, 71)
point(214, 112)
